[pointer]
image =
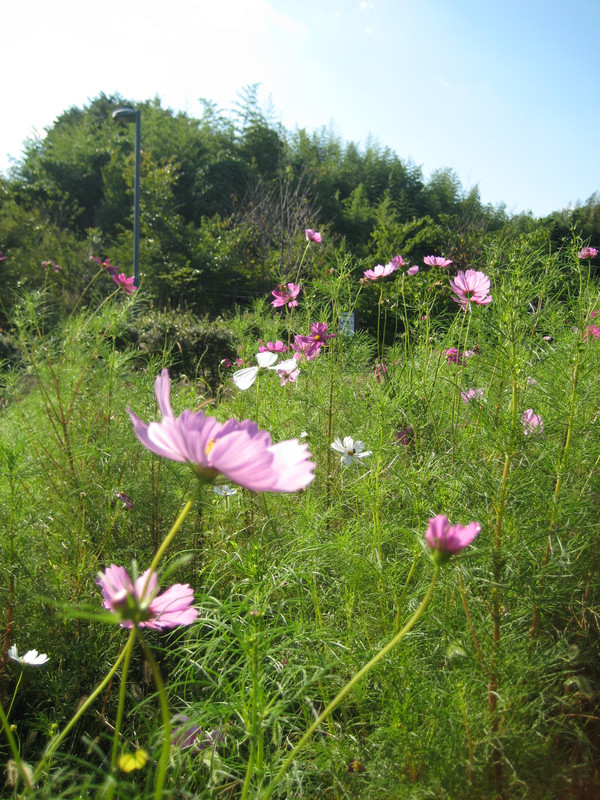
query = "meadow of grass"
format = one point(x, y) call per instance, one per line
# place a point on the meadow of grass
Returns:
point(493, 693)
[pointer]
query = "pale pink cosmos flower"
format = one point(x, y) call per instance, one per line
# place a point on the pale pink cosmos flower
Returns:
point(318, 337)
point(286, 296)
point(445, 540)
point(471, 287)
point(312, 236)
point(471, 394)
point(437, 261)
point(304, 350)
point(412, 270)
point(397, 262)
point(240, 451)
point(288, 371)
point(588, 252)
point(140, 603)
point(273, 347)
point(380, 271)
point(532, 423)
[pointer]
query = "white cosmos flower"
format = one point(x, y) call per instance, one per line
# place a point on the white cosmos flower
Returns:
point(244, 378)
point(224, 490)
point(351, 451)
point(32, 658)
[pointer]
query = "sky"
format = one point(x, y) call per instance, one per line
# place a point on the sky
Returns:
point(505, 93)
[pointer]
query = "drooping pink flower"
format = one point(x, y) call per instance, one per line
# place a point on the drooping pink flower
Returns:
point(285, 295)
point(437, 261)
point(380, 271)
point(593, 331)
point(455, 356)
point(412, 270)
point(532, 423)
point(318, 337)
point(312, 236)
point(471, 394)
point(140, 604)
point(588, 252)
point(445, 540)
point(273, 347)
point(240, 451)
point(471, 287)
point(112, 271)
point(126, 283)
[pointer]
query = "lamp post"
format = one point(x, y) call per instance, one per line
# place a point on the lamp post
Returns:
point(134, 115)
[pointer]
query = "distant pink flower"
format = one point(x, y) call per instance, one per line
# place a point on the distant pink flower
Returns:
point(240, 451)
point(125, 499)
point(445, 540)
point(471, 287)
point(239, 362)
point(593, 330)
point(126, 283)
point(304, 350)
point(112, 271)
point(2, 258)
point(455, 356)
point(187, 734)
point(594, 314)
point(531, 382)
point(397, 262)
point(140, 603)
point(412, 270)
point(318, 337)
point(380, 271)
point(405, 436)
point(273, 347)
point(285, 296)
point(312, 236)
point(379, 371)
point(588, 252)
point(437, 261)
point(288, 371)
point(226, 362)
point(532, 423)
point(55, 267)
point(471, 394)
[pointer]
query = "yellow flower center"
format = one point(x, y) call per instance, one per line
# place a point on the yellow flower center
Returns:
point(209, 446)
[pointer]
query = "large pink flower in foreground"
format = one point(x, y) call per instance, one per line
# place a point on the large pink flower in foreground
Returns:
point(444, 539)
point(471, 287)
point(238, 450)
point(139, 603)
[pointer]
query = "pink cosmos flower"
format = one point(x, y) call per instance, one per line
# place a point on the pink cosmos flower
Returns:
point(55, 267)
point(273, 347)
point(126, 283)
point(594, 314)
point(532, 423)
point(444, 539)
point(455, 356)
point(2, 258)
point(471, 394)
point(187, 734)
point(304, 350)
point(412, 270)
point(593, 330)
point(588, 252)
point(437, 261)
point(379, 371)
point(312, 236)
point(240, 451)
point(140, 604)
point(380, 271)
point(471, 287)
point(318, 337)
point(397, 262)
point(285, 296)
point(112, 271)
point(288, 371)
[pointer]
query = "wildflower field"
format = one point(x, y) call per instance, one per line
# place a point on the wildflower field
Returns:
point(346, 563)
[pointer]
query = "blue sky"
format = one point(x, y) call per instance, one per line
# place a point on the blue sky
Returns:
point(505, 93)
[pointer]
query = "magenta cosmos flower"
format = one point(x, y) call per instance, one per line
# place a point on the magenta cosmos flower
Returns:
point(312, 236)
point(437, 261)
point(126, 283)
point(285, 296)
point(381, 271)
point(471, 287)
point(532, 423)
point(140, 604)
point(592, 331)
point(309, 345)
point(272, 347)
point(412, 270)
point(238, 450)
point(588, 252)
point(455, 356)
point(444, 539)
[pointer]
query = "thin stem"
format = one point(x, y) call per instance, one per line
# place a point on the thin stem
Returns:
point(122, 692)
point(14, 749)
point(349, 686)
point(166, 718)
point(173, 532)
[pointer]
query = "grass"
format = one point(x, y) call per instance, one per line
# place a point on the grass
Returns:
point(492, 694)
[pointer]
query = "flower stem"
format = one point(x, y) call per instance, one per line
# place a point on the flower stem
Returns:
point(349, 686)
point(14, 749)
point(122, 691)
point(173, 532)
point(166, 718)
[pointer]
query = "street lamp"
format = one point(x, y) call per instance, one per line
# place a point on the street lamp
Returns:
point(134, 115)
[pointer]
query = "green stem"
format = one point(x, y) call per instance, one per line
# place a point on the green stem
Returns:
point(349, 686)
point(166, 718)
point(14, 749)
point(53, 745)
point(122, 691)
point(173, 532)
